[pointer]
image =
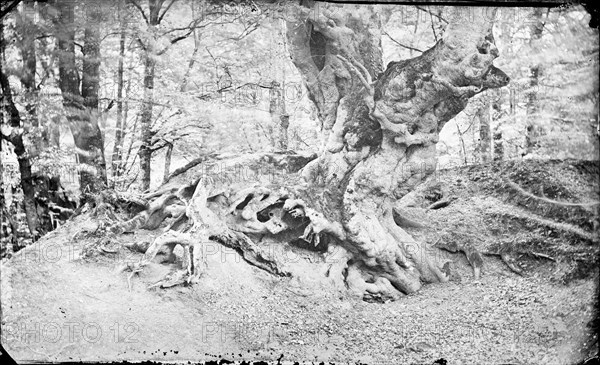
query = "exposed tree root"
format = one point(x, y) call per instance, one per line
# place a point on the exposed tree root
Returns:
point(522, 191)
point(440, 204)
point(401, 217)
point(189, 165)
point(204, 226)
point(378, 259)
point(381, 260)
point(501, 209)
point(473, 255)
point(543, 256)
point(250, 251)
point(508, 260)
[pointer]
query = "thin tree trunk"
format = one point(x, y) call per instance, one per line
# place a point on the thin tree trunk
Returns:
point(279, 120)
point(184, 82)
point(485, 141)
point(532, 129)
point(497, 119)
point(284, 123)
point(512, 104)
point(123, 160)
point(463, 151)
point(167, 162)
point(498, 144)
point(186, 76)
point(145, 151)
point(118, 148)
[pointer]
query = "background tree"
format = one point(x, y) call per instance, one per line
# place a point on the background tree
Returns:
point(81, 106)
point(13, 133)
point(536, 31)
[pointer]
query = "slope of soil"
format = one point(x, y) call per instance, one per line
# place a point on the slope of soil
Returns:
point(59, 307)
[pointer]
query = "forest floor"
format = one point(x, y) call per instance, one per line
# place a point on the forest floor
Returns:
point(58, 307)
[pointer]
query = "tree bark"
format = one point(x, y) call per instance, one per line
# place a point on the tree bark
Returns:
point(82, 107)
point(145, 151)
point(280, 121)
point(168, 156)
point(533, 130)
point(498, 116)
point(314, 45)
point(485, 140)
point(386, 144)
point(118, 148)
point(90, 85)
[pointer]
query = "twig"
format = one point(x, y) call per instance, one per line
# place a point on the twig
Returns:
point(135, 271)
point(187, 166)
point(400, 44)
point(544, 256)
point(295, 293)
point(440, 204)
point(431, 13)
point(433, 27)
point(512, 266)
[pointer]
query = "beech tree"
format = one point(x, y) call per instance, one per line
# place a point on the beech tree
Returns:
point(387, 141)
point(80, 94)
point(355, 198)
point(149, 41)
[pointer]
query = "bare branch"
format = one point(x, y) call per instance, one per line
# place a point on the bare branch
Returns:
point(134, 3)
point(214, 61)
point(160, 17)
point(400, 44)
point(175, 40)
point(433, 27)
point(431, 13)
point(187, 166)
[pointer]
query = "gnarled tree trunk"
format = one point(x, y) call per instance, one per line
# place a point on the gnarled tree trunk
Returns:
point(386, 143)
point(350, 200)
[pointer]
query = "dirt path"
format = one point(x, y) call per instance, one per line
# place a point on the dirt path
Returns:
point(56, 307)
